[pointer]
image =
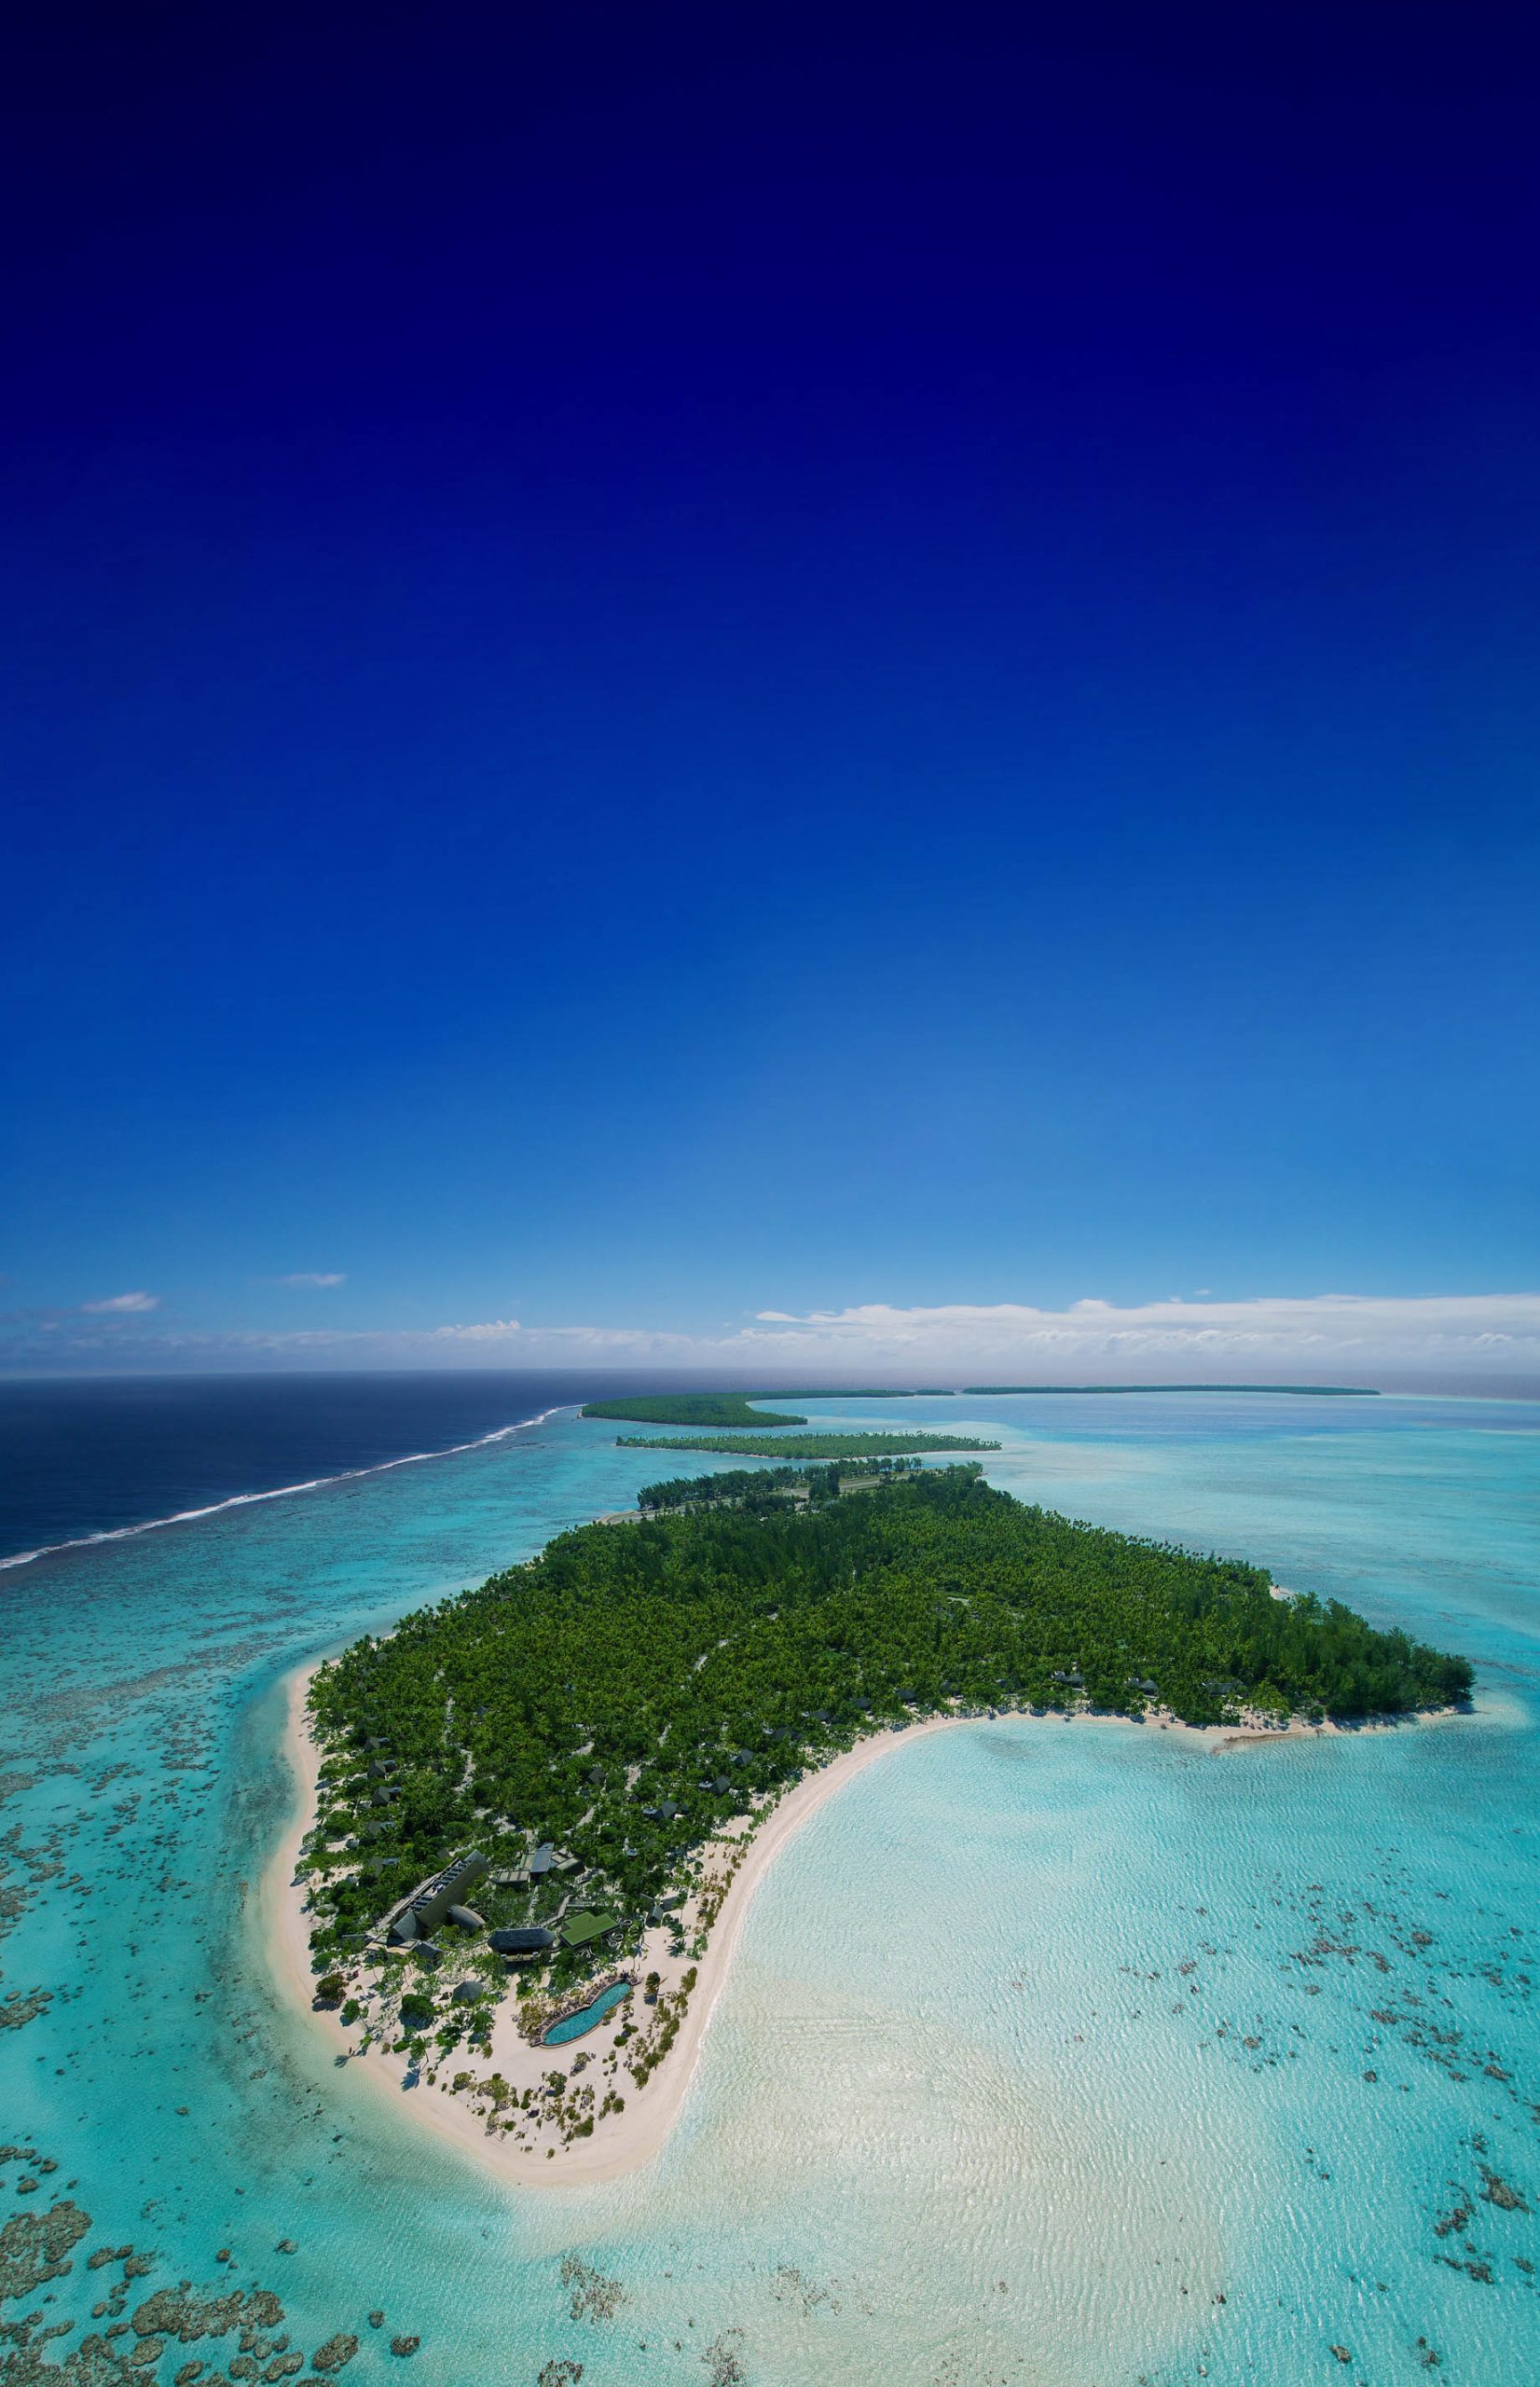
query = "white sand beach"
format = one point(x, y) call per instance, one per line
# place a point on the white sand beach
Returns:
point(621, 2141)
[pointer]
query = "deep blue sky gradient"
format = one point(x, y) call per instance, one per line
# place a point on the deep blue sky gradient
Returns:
point(662, 662)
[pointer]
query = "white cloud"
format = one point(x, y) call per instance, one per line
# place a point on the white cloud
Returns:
point(1297, 1336)
point(1338, 1338)
point(120, 1305)
point(317, 1278)
point(1335, 1335)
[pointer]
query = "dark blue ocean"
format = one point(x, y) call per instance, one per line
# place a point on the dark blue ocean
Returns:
point(81, 1456)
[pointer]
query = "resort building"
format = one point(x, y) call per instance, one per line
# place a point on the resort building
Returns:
point(528, 1941)
point(428, 1907)
point(581, 1930)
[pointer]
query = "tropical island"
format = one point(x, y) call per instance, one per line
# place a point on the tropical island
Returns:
point(1315, 1391)
point(728, 1408)
point(718, 1409)
point(776, 1437)
point(766, 1488)
point(538, 1806)
point(807, 1446)
point(704, 1409)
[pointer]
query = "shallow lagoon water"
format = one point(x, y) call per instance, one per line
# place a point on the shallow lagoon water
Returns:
point(1041, 2038)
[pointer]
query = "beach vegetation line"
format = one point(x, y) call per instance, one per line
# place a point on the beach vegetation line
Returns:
point(593, 1718)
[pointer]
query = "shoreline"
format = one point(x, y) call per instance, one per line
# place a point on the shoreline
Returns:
point(626, 2140)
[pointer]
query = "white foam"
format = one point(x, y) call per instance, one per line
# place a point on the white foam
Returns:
point(282, 1492)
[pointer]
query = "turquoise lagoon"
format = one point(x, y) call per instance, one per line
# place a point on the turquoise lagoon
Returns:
point(1053, 2053)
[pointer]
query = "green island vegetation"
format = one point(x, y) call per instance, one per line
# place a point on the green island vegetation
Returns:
point(730, 1408)
point(1320, 1391)
point(862, 1392)
point(691, 1408)
point(610, 1706)
point(806, 1446)
point(766, 1488)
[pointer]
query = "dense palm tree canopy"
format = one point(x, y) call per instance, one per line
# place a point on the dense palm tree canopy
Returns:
point(639, 1682)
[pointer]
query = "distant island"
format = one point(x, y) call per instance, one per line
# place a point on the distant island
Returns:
point(860, 1392)
point(764, 1488)
point(776, 1436)
point(709, 1410)
point(728, 1408)
point(806, 1446)
point(535, 1803)
point(1320, 1391)
point(695, 1408)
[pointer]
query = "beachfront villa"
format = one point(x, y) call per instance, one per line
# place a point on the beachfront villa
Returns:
point(521, 1942)
point(584, 1930)
point(431, 1905)
point(545, 1861)
point(441, 1900)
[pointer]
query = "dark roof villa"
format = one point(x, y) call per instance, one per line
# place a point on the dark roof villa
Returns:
point(528, 1941)
point(430, 1906)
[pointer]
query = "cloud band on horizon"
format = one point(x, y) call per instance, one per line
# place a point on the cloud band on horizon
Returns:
point(1311, 1337)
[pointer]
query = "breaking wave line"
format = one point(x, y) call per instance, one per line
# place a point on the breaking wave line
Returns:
point(279, 1492)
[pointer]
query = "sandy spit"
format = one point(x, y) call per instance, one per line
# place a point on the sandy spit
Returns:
point(620, 2143)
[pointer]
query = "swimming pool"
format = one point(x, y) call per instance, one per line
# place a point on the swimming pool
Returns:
point(576, 2026)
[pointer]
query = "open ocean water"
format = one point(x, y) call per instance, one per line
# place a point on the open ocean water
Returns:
point(1065, 2055)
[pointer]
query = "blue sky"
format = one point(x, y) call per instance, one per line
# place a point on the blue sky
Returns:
point(672, 665)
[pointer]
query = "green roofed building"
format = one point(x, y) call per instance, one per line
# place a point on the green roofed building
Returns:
point(580, 1929)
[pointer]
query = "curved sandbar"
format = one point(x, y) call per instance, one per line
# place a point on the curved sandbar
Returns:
point(624, 2142)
